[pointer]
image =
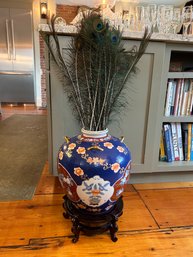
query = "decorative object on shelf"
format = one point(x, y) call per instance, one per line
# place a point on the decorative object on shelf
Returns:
point(60, 24)
point(104, 10)
point(94, 166)
point(82, 10)
point(43, 9)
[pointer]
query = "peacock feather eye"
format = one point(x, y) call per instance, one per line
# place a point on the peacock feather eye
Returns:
point(98, 25)
point(114, 39)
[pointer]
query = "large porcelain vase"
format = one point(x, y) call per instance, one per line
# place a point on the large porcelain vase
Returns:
point(93, 168)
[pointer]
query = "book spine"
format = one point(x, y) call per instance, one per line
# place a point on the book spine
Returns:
point(169, 98)
point(175, 142)
point(179, 136)
point(185, 97)
point(163, 156)
point(191, 150)
point(167, 143)
point(177, 96)
point(171, 143)
point(180, 98)
point(188, 111)
point(185, 140)
point(189, 140)
point(191, 105)
point(173, 97)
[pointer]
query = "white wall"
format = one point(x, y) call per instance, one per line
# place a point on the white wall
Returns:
point(36, 22)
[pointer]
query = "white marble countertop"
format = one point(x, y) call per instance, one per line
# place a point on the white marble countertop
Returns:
point(71, 29)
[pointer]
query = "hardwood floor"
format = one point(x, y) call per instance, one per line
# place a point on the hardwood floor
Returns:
point(157, 222)
point(7, 110)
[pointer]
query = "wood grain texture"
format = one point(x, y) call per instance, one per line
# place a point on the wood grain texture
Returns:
point(42, 217)
point(163, 185)
point(36, 228)
point(170, 207)
point(167, 243)
point(48, 183)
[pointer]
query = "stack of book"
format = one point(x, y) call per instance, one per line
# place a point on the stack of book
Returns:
point(176, 142)
point(179, 97)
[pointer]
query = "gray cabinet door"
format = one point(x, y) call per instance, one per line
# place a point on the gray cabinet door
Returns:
point(5, 41)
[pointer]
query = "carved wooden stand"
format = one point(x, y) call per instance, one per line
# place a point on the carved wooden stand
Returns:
point(92, 223)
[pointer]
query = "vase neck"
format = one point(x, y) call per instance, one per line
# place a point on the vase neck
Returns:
point(94, 134)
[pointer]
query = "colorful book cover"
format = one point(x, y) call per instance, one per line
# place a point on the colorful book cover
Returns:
point(179, 136)
point(167, 142)
point(175, 141)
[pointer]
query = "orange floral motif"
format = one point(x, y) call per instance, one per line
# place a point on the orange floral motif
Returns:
point(101, 161)
point(81, 150)
point(78, 171)
point(89, 160)
point(108, 145)
point(115, 167)
point(120, 149)
point(95, 160)
point(61, 155)
point(71, 146)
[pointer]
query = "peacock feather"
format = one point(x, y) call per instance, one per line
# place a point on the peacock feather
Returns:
point(96, 69)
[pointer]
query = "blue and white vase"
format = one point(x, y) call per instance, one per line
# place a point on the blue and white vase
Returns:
point(93, 168)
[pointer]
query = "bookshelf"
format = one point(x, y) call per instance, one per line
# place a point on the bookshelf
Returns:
point(178, 70)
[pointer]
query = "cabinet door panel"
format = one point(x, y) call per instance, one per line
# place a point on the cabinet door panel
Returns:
point(132, 123)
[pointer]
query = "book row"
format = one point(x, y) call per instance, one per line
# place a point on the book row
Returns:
point(176, 142)
point(179, 97)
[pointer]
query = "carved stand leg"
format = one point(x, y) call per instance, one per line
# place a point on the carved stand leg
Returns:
point(65, 213)
point(113, 229)
point(75, 229)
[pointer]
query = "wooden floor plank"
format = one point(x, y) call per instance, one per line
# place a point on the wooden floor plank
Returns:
point(48, 183)
point(136, 215)
point(163, 185)
point(170, 207)
point(42, 217)
point(153, 244)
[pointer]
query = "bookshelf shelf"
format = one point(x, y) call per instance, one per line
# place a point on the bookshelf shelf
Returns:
point(185, 119)
point(179, 75)
point(175, 166)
